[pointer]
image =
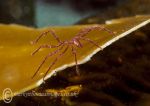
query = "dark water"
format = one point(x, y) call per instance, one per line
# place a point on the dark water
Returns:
point(17, 11)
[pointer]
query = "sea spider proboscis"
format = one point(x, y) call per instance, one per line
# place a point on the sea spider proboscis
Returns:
point(73, 44)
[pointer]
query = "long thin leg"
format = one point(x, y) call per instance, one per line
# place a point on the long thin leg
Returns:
point(79, 42)
point(86, 30)
point(45, 33)
point(76, 61)
point(91, 41)
point(55, 36)
point(45, 46)
point(53, 63)
point(49, 55)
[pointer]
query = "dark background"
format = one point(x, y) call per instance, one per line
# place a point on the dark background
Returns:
point(41, 13)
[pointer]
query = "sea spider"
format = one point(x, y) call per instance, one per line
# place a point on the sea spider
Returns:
point(73, 43)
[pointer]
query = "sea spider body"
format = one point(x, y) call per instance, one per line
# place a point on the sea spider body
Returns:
point(73, 43)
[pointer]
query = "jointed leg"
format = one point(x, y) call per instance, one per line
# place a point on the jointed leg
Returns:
point(55, 36)
point(86, 30)
point(49, 55)
point(91, 41)
point(76, 61)
point(45, 46)
point(79, 42)
point(59, 56)
point(45, 33)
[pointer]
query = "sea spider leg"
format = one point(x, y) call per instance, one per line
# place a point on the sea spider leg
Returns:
point(86, 30)
point(80, 44)
point(49, 55)
point(55, 36)
point(76, 61)
point(53, 63)
point(90, 41)
point(45, 46)
point(45, 33)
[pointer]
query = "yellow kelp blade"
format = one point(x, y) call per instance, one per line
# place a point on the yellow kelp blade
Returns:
point(17, 66)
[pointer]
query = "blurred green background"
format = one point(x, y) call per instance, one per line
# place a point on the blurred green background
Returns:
point(40, 13)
